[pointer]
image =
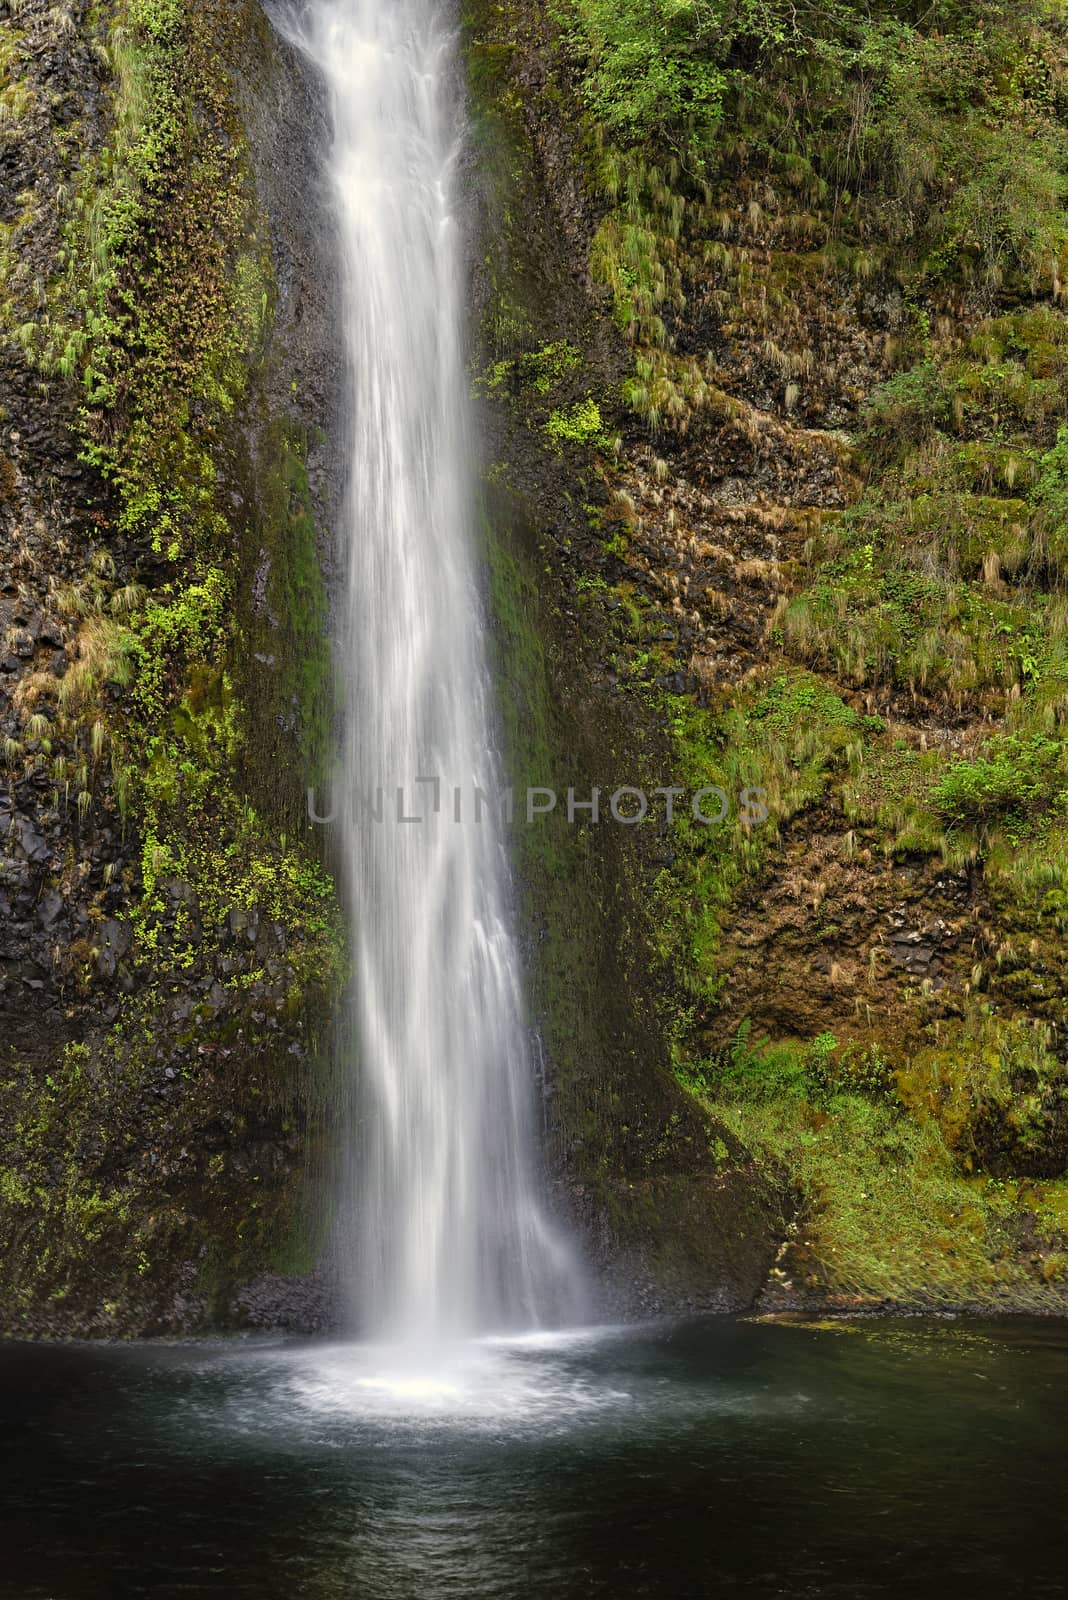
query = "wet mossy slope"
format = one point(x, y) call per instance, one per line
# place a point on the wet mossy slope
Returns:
point(773, 332)
point(171, 943)
point(671, 1209)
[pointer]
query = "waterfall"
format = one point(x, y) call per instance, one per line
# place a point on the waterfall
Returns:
point(453, 1235)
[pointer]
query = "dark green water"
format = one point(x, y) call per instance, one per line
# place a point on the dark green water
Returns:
point(906, 1459)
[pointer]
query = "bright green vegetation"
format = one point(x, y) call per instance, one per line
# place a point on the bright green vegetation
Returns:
point(922, 141)
point(654, 70)
point(581, 424)
point(778, 176)
point(162, 313)
point(537, 371)
point(533, 380)
point(887, 1165)
point(943, 584)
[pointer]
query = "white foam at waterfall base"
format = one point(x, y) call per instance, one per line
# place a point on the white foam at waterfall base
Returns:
point(478, 1383)
point(449, 1233)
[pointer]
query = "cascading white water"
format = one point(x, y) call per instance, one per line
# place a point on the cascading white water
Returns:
point(454, 1237)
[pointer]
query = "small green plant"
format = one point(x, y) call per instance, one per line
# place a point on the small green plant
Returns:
point(1014, 776)
point(580, 425)
point(537, 371)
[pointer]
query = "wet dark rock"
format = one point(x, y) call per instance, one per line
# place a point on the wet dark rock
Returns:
point(49, 908)
point(309, 1305)
point(180, 893)
point(114, 940)
point(28, 842)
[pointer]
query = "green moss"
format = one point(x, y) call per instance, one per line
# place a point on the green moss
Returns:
point(773, 752)
point(107, 1180)
point(160, 308)
point(883, 1214)
point(581, 424)
point(177, 269)
point(539, 371)
point(287, 630)
point(60, 1211)
point(995, 1093)
point(888, 1209)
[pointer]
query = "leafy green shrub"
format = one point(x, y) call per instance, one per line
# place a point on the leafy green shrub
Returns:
point(761, 1070)
point(1018, 775)
point(789, 703)
point(949, 127)
point(1009, 214)
point(901, 412)
point(653, 69)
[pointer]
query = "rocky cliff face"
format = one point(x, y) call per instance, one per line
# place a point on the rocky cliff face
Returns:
point(802, 369)
point(772, 367)
point(172, 949)
point(171, 945)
